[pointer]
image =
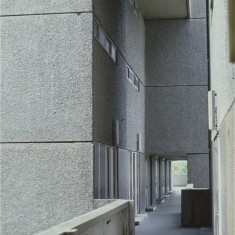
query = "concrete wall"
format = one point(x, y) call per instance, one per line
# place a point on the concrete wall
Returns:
point(177, 85)
point(176, 52)
point(176, 120)
point(46, 92)
point(162, 178)
point(142, 183)
point(223, 83)
point(114, 96)
point(44, 184)
point(125, 29)
point(227, 173)
point(176, 92)
point(180, 180)
point(155, 179)
point(222, 70)
point(198, 170)
point(114, 218)
point(46, 100)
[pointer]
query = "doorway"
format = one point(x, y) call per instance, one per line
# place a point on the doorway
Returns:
point(179, 173)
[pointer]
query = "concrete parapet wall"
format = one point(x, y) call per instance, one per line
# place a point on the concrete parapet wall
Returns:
point(180, 180)
point(116, 218)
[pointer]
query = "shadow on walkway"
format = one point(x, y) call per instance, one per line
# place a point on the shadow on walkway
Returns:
point(166, 220)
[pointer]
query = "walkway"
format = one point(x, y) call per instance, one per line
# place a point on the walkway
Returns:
point(166, 220)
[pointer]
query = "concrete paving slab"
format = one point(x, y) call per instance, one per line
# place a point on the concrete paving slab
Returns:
point(167, 219)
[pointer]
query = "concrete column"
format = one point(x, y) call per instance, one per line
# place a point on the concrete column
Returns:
point(170, 176)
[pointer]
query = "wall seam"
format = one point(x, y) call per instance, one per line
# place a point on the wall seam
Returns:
point(49, 13)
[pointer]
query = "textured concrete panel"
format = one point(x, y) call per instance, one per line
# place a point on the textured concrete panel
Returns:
point(176, 52)
point(46, 92)
point(198, 8)
point(222, 70)
point(44, 185)
point(97, 203)
point(116, 98)
point(176, 120)
point(227, 171)
point(135, 42)
point(198, 170)
point(22, 7)
point(126, 29)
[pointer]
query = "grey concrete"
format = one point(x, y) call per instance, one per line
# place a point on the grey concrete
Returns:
point(167, 177)
point(116, 98)
point(196, 208)
point(152, 9)
point(176, 120)
point(97, 203)
point(46, 78)
point(223, 83)
point(142, 187)
point(180, 180)
point(226, 153)
point(166, 219)
point(110, 219)
point(176, 52)
point(155, 180)
point(125, 29)
point(43, 185)
point(162, 178)
point(13, 7)
point(198, 170)
point(222, 70)
point(198, 8)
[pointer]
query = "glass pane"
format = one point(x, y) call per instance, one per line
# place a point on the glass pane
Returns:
point(107, 45)
point(113, 53)
point(128, 72)
point(135, 81)
point(96, 28)
point(102, 37)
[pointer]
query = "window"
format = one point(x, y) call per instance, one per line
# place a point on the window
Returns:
point(113, 53)
point(105, 172)
point(105, 41)
point(132, 78)
point(107, 45)
point(101, 37)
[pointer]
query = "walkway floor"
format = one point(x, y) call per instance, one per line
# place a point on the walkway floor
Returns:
point(166, 220)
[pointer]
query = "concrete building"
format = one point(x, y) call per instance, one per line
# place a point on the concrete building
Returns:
point(222, 112)
point(99, 97)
